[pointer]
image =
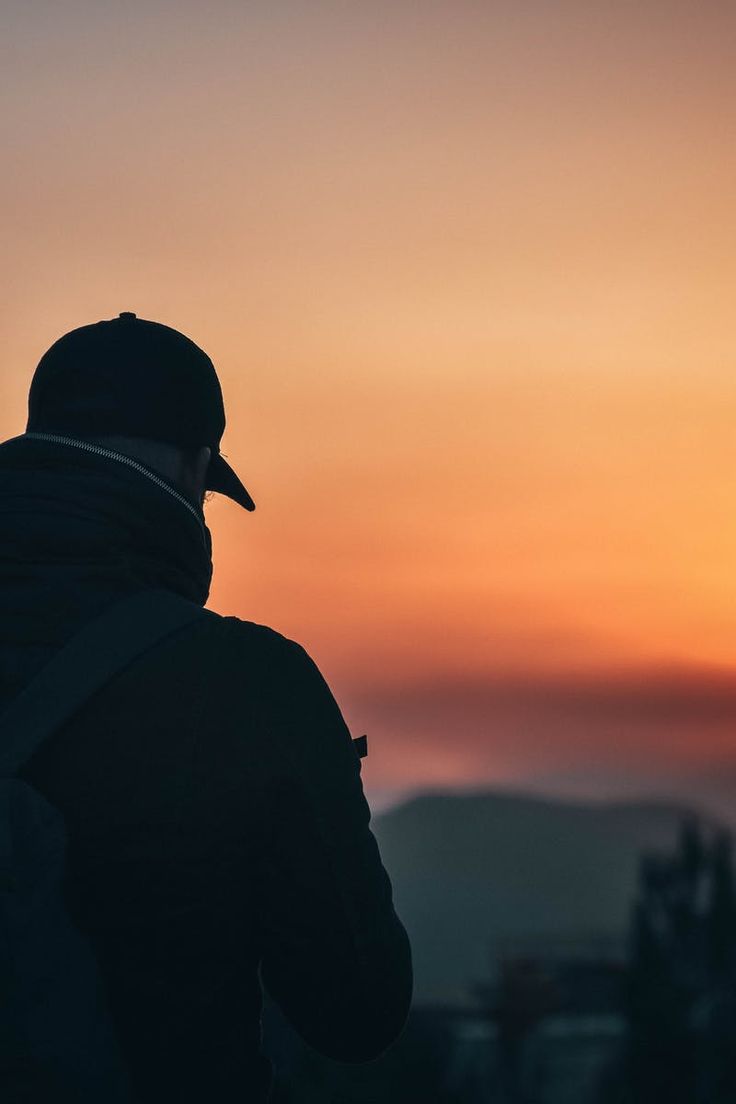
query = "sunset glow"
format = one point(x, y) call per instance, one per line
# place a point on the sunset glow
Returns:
point(467, 275)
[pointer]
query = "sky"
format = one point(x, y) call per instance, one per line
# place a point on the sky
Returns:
point(466, 271)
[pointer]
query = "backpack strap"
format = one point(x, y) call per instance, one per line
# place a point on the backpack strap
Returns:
point(103, 647)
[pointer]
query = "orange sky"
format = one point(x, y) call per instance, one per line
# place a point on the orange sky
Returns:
point(466, 273)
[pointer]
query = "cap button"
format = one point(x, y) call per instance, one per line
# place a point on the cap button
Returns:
point(126, 314)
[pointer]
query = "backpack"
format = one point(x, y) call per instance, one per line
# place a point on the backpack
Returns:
point(57, 1043)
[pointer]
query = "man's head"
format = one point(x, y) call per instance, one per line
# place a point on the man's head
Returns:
point(146, 386)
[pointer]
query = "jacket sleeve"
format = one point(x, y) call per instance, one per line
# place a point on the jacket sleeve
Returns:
point(335, 956)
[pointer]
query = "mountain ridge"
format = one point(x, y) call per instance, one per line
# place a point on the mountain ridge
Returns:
point(473, 869)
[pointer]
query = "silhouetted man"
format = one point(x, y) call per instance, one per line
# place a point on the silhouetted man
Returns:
point(219, 835)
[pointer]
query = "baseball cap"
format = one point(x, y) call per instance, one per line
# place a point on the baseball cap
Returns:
point(130, 376)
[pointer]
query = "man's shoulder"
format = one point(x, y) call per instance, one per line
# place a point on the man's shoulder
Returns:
point(249, 645)
point(288, 684)
point(255, 639)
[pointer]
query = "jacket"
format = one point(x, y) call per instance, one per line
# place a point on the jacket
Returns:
point(219, 837)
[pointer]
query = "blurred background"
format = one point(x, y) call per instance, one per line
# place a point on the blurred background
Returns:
point(466, 271)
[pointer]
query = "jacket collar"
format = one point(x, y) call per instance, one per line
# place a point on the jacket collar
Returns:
point(83, 510)
point(111, 454)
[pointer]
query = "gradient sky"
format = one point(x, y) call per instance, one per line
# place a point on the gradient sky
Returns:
point(467, 273)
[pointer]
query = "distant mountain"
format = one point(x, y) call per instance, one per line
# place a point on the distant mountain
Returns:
point(471, 869)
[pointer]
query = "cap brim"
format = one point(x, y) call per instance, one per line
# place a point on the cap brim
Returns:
point(222, 478)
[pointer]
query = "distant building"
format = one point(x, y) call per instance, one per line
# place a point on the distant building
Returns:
point(553, 1020)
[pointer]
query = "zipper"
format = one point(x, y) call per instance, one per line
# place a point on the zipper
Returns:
point(112, 455)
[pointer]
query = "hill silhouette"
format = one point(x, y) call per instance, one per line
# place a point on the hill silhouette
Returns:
point(472, 869)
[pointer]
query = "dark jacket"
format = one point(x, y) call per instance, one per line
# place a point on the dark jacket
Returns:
point(219, 835)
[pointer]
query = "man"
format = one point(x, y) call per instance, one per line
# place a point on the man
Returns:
point(219, 835)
